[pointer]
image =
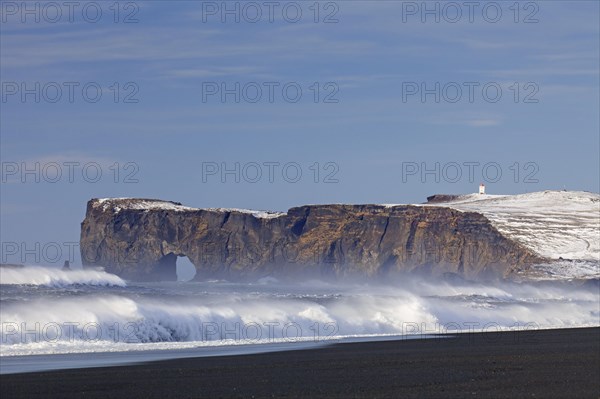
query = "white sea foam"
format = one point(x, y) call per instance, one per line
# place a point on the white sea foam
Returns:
point(110, 322)
point(53, 277)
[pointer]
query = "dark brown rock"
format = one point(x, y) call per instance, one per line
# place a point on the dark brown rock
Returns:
point(319, 240)
point(438, 198)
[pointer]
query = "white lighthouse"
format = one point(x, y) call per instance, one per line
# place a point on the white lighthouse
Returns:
point(482, 188)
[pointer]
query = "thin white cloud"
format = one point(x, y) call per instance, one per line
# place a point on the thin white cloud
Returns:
point(470, 119)
point(482, 122)
point(543, 71)
point(72, 156)
point(213, 72)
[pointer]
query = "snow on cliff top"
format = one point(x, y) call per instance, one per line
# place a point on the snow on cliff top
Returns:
point(554, 224)
point(118, 204)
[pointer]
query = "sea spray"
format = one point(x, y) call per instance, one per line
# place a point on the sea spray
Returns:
point(159, 316)
point(53, 277)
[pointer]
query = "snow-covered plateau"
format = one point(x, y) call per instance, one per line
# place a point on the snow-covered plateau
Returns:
point(562, 226)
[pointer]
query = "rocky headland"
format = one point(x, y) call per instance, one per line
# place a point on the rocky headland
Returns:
point(140, 239)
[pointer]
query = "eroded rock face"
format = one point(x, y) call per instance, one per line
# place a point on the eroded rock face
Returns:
point(141, 239)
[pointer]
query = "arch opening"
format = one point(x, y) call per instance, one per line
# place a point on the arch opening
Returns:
point(186, 271)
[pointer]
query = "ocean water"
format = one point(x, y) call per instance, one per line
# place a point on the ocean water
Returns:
point(54, 318)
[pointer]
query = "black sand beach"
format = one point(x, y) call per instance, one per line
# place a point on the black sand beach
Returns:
point(544, 364)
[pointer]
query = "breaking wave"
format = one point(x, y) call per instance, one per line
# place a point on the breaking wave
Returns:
point(52, 277)
point(251, 315)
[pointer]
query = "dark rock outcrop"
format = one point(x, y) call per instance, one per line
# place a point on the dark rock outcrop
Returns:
point(438, 198)
point(141, 240)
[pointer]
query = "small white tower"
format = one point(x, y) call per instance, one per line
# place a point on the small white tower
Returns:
point(482, 188)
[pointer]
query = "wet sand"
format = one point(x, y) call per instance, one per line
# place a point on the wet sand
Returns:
point(548, 363)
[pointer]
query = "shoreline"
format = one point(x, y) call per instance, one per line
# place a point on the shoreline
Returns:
point(544, 363)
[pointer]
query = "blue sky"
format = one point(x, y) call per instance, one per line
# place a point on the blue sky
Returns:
point(369, 56)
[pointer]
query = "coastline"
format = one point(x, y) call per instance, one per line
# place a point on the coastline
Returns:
point(541, 363)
